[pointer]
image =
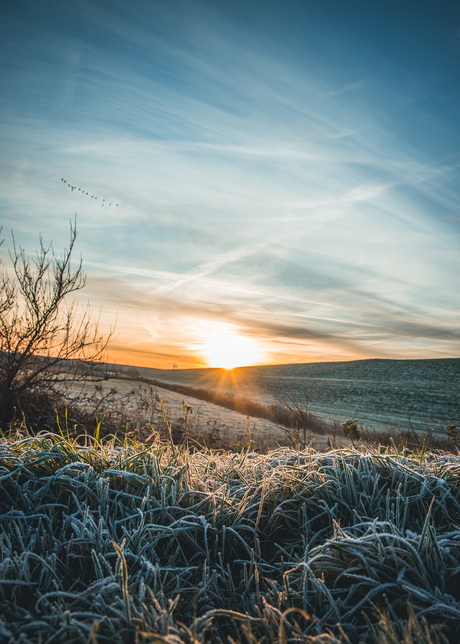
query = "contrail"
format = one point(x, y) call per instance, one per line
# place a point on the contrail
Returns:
point(210, 267)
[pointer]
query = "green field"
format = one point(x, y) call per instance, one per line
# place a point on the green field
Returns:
point(117, 541)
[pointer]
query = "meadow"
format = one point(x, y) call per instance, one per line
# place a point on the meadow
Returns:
point(116, 540)
point(381, 394)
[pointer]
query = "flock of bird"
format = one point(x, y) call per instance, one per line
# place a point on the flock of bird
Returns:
point(105, 202)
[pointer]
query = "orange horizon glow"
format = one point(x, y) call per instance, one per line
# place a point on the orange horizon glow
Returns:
point(211, 344)
point(161, 357)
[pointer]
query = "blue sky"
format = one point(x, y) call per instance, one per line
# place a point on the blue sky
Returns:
point(284, 171)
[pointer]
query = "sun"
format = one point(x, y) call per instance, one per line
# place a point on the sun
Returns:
point(228, 350)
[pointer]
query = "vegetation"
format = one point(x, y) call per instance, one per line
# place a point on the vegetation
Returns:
point(116, 541)
point(292, 414)
point(294, 418)
point(105, 538)
point(41, 330)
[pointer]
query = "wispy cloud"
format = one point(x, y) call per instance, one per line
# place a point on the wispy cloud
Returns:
point(254, 188)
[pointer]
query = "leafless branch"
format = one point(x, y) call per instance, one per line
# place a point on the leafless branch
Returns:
point(43, 332)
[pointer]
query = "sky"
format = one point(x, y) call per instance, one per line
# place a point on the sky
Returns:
point(280, 177)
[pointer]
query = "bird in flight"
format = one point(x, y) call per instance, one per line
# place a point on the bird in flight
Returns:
point(87, 194)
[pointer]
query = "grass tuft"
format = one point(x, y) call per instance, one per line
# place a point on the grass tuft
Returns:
point(112, 540)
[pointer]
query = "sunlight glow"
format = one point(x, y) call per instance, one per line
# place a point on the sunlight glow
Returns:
point(230, 350)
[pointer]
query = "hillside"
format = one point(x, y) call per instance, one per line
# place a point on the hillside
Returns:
point(381, 394)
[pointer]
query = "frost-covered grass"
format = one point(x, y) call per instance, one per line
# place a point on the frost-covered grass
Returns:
point(115, 541)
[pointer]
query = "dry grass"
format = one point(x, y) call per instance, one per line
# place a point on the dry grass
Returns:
point(285, 414)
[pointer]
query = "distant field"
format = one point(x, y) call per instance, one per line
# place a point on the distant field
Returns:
point(380, 393)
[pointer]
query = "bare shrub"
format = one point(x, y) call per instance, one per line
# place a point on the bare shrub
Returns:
point(44, 335)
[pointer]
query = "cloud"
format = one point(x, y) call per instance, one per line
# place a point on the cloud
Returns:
point(210, 267)
point(253, 187)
